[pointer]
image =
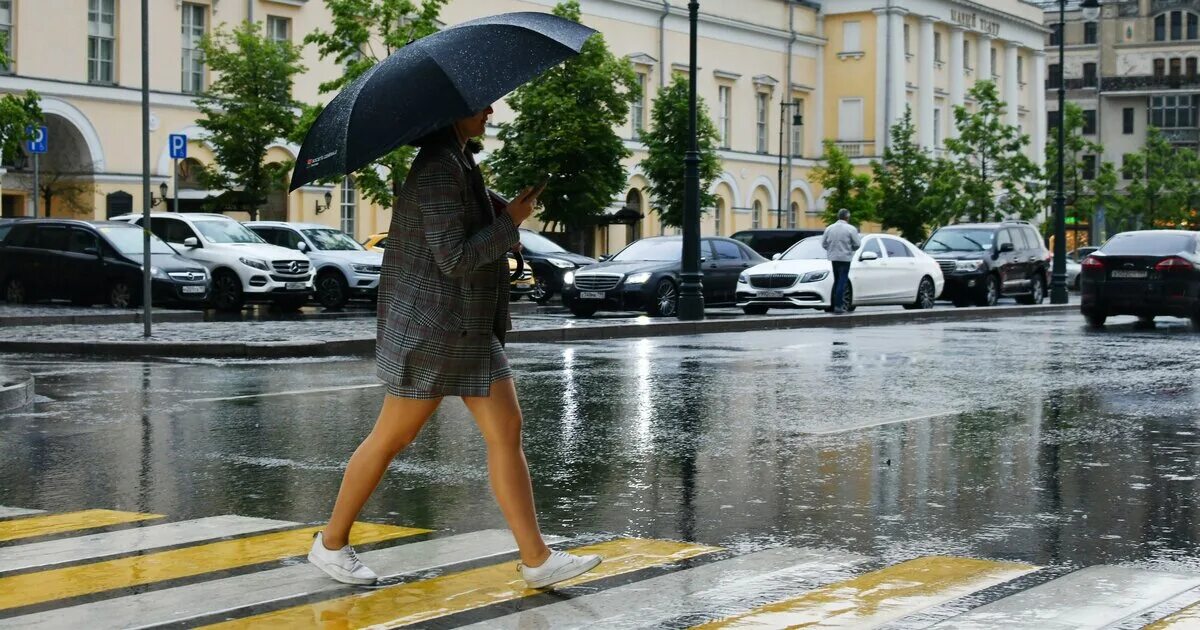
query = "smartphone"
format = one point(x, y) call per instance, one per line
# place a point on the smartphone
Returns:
point(537, 190)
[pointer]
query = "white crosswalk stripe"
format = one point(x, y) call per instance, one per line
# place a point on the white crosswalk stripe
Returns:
point(97, 546)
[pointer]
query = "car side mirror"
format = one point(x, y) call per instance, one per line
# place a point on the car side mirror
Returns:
point(604, 258)
point(704, 259)
point(302, 246)
point(191, 242)
point(776, 256)
point(1007, 247)
point(868, 256)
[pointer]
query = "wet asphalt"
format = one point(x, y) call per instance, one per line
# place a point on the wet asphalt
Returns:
point(1031, 439)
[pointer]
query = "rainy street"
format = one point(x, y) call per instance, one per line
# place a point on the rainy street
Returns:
point(1029, 440)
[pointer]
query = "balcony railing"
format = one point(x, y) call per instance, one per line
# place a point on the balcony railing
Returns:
point(1182, 136)
point(1132, 83)
point(856, 148)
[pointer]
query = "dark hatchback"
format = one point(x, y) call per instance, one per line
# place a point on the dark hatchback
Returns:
point(768, 242)
point(1145, 273)
point(646, 275)
point(550, 262)
point(95, 262)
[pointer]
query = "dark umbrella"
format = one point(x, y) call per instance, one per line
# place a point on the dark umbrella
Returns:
point(430, 83)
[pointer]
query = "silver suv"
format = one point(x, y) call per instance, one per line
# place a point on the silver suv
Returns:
point(344, 269)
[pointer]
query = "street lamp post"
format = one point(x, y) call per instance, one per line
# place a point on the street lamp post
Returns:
point(797, 120)
point(691, 293)
point(147, 299)
point(1058, 280)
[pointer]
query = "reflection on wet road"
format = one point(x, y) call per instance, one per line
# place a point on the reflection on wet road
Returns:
point(1028, 440)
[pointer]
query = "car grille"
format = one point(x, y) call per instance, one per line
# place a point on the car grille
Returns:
point(597, 281)
point(947, 266)
point(187, 276)
point(773, 280)
point(291, 267)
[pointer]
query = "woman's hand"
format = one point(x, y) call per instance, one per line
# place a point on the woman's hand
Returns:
point(521, 208)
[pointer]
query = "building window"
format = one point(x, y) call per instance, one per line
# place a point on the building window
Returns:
point(1089, 122)
point(1089, 75)
point(1160, 28)
point(797, 147)
point(1160, 68)
point(1089, 167)
point(1090, 32)
point(992, 52)
point(6, 32)
point(1176, 25)
point(966, 55)
point(1056, 30)
point(718, 214)
point(279, 29)
point(349, 205)
point(793, 215)
point(1173, 112)
point(1191, 67)
point(1054, 74)
point(193, 59)
point(1176, 67)
point(907, 40)
point(1126, 170)
point(637, 109)
point(762, 100)
point(755, 217)
point(850, 120)
point(1052, 119)
point(1193, 22)
point(851, 37)
point(101, 40)
point(1127, 120)
point(1020, 69)
point(937, 47)
point(937, 127)
point(725, 103)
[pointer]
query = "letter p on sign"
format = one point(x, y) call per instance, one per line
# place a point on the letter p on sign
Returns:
point(178, 143)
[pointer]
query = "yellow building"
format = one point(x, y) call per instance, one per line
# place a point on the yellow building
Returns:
point(845, 67)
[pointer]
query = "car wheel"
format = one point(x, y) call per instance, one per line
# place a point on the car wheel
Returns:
point(1095, 320)
point(227, 291)
point(1037, 292)
point(925, 296)
point(290, 302)
point(332, 290)
point(15, 292)
point(121, 295)
point(755, 309)
point(541, 292)
point(665, 302)
point(579, 310)
point(991, 292)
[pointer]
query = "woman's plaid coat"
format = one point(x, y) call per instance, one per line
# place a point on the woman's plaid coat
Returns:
point(444, 290)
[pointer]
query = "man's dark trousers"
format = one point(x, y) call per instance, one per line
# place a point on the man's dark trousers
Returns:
point(841, 276)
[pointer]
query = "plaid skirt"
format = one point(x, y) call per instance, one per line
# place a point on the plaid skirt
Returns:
point(499, 371)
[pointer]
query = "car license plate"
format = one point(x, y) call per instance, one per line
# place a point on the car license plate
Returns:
point(592, 295)
point(193, 289)
point(295, 286)
point(1128, 273)
point(770, 294)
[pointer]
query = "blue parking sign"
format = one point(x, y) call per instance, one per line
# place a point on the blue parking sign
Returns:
point(178, 143)
point(40, 138)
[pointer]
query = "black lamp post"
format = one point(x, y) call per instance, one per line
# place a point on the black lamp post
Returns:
point(1058, 280)
point(691, 290)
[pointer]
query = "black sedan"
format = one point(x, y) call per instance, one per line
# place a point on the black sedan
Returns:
point(1146, 273)
point(550, 262)
point(93, 262)
point(646, 276)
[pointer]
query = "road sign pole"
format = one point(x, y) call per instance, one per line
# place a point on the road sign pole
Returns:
point(37, 184)
point(175, 185)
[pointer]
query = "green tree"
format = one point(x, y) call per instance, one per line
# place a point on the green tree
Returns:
point(846, 188)
point(1076, 188)
point(1150, 199)
point(363, 33)
point(246, 109)
point(1101, 193)
point(564, 126)
point(940, 203)
point(902, 180)
point(17, 112)
point(990, 157)
point(667, 141)
point(1187, 187)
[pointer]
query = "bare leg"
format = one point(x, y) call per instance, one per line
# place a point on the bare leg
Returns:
point(499, 420)
point(399, 422)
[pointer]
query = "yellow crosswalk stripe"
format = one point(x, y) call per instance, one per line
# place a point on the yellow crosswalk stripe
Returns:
point(43, 586)
point(1187, 618)
point(415, 602)
point(879, 596)
point(67, 522)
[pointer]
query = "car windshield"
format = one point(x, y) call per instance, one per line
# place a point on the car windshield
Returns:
point(960, 240)
point(331, 240)
point(664, 249)
point(1149, 244)
point(227, 232)
point(808, 249)
point(128, 241)
point(539, 244)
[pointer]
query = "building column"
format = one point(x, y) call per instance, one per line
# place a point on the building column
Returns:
point(1038, 83)
point(882, 59)
point(897, 73)
point(957, 75)
point(1012, 90)
point(925, 82)
point(818, 108)
point(983, 66)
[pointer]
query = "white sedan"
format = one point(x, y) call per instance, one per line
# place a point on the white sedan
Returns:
point(886, 270)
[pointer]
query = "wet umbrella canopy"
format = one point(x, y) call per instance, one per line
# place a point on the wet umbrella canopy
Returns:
point(431, 83)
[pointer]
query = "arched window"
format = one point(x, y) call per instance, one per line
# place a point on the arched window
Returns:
point(1176, 26)
point(189, 174)
point(633, 201)
point(756, 214)
point(794, 215)
point(349, 206)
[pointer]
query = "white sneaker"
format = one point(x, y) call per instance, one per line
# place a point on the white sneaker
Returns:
point(342, 565)
point(558, 567)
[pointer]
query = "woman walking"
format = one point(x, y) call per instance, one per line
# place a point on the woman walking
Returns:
point(443, 314)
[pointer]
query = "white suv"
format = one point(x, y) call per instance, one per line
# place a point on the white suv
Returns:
point(244, 267)
point(344, 269)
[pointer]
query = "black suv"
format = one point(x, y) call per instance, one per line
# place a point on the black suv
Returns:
point(983, 262)
point(768, 242)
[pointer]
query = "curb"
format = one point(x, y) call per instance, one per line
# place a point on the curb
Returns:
point(100, 318)
point(16, 389)
point(365, 346)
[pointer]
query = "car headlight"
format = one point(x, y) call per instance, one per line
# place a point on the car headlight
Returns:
point(254, 263)
point(814, 276)
point(968, 265)
point(158, 272)
point(365, 268)
point(743, 279)
point(569, 278)
point(561, 264)
point(638, 278)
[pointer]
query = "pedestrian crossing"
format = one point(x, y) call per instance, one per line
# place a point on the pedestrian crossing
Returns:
point(102, 569)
